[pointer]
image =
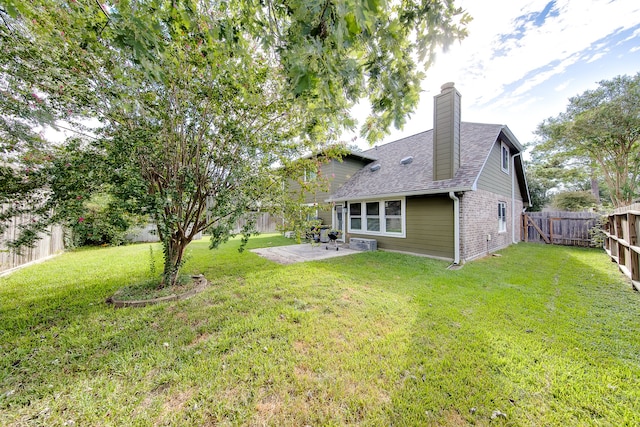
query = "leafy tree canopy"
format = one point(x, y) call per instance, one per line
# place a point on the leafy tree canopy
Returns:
point(598, 135)
point(197, 100)
point(574, 201)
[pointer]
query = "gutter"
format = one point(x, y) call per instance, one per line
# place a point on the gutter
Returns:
point(456, 228)
point(513, 197)
point(361, 197)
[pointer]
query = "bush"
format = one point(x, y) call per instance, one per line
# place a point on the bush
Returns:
point(101, 223)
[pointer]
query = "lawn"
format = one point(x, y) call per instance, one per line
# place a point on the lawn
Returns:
point(540, 336)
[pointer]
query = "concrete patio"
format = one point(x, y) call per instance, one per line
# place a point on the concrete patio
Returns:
point(303, 252)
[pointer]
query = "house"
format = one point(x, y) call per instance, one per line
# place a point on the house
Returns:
point(455, 192)
point(332, 175)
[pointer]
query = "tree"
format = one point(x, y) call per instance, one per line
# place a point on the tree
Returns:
point(549, 175)
point(538, 190)
point(305, 185)
point(600, 131)
point(199, 100)
point(35, 176)
point(102, 223)
point(574, 201)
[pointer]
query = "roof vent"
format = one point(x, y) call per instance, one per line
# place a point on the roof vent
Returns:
point(406, 160)
point(374, 167)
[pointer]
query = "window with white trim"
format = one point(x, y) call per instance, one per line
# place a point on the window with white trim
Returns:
point(355, 216)
point(502, 217)
point(380, 217)
point(373, 216)
point(504, 155)
point(393, 216)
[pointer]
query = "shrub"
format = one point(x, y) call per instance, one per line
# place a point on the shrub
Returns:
point(101, 223)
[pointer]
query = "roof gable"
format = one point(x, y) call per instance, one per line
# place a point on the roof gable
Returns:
point(416, 177)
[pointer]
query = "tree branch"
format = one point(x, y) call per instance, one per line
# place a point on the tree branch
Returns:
point(106, 15)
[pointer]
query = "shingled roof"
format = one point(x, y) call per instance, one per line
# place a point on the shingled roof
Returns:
point(394, 178)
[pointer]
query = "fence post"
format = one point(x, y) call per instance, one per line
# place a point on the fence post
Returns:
point(622, 246)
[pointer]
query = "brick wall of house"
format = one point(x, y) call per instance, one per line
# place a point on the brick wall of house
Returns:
point(479, 218)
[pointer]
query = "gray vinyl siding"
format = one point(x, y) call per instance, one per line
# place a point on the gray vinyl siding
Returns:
point(325, 217)
point(344, 170)
point(337, 173)
point(518, 192)
point(492, 178)
point(429, 228)
point(292, 186)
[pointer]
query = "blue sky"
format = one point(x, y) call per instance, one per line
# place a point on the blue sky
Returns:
point(523, 60)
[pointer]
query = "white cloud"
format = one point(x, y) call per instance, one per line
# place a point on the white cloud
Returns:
point(575, 28)
point(597, 56)
point(509, 57)
point(542, 76)
point(562, 86)
point(635, 34)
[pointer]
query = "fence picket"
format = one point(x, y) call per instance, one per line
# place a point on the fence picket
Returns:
point(559, 228)
point(51, 243)
point(265, 223)
point(621, 241)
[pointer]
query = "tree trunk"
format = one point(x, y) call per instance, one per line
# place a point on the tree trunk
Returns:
point(173, 259)
point(595, 188)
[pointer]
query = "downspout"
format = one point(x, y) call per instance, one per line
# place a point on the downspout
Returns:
point(513, 197)
point(456, 227)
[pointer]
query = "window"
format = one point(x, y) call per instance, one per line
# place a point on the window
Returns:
point(502, 217)
point(339, 218)
point(355, 216)
point(384, 217)
point(504, 151)
point(393, 216)
point(310, 175)
point(373, 216)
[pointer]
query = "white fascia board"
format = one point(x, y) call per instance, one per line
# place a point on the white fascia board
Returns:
point(361, 197)
point(512, 138)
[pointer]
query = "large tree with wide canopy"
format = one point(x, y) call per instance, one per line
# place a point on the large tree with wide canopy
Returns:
point(197, 100)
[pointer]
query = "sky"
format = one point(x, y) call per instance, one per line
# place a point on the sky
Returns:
point(523, 60)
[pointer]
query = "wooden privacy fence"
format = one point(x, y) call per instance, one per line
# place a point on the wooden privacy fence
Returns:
point(621, 241)
point(50, 244)
point(53, 242)
point(559, 228)
point(265, 223)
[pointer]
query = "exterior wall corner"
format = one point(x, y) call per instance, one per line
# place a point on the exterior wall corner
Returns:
point(479, 227)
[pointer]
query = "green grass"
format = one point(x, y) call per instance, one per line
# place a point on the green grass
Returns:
point(548, 336)
point(149, 288)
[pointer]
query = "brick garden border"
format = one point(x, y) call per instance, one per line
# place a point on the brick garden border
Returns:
point(201, 285)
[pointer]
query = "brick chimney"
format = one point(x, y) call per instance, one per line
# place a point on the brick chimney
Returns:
point(446, 133)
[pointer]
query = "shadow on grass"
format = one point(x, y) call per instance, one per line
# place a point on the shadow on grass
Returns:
point(74, 285)
point(540, 336)
point(55, 323)
point(374, 338)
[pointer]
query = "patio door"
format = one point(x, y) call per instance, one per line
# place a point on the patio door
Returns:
point(339, 222)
